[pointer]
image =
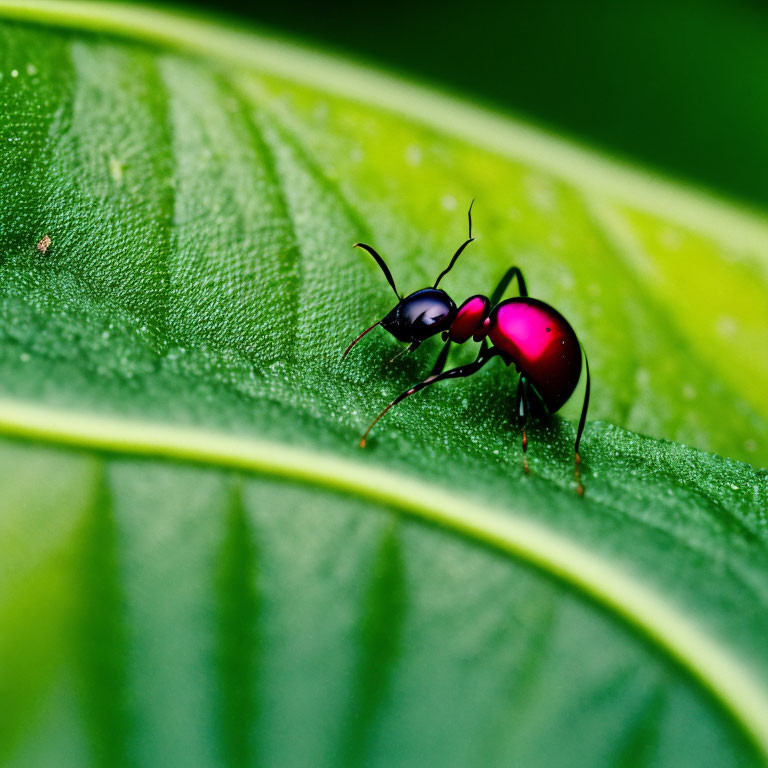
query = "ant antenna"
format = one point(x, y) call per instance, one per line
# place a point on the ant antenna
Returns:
point(383, 265)
point(461, 247)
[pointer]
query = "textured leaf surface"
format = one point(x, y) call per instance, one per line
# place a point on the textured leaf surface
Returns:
point(198, 565)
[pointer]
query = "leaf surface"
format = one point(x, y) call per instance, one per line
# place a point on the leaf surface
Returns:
point(200, 566)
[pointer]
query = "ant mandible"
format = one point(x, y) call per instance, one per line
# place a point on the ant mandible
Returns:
point(525, 331)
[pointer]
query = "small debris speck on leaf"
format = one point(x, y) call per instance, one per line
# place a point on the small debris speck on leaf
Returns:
point(44, 244)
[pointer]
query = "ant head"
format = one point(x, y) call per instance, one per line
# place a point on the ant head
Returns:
point(421, 315)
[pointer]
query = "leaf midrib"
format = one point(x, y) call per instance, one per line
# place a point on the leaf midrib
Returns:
point(506, 531)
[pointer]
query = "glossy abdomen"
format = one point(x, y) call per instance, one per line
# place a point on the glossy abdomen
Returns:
point(541, 343)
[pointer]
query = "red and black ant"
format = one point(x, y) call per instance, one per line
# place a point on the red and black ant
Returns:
point(527, 332)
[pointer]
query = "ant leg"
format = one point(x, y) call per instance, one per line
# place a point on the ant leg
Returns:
point(454, 373)
point(580, 428)
point(352, 344)
point(501, 288)
point(523, 408)
point(407, 351)
point(439, 365)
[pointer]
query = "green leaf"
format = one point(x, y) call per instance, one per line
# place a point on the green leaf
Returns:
point(199, 566)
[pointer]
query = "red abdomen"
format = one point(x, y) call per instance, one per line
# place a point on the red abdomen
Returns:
point(541, 343)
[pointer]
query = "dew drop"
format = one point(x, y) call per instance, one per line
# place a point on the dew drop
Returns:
point(726, 326)
point(116, 170)
point(541, 193)
point(413, 155)
point(689, 393)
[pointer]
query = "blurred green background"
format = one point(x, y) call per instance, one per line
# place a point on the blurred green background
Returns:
point(677, 85)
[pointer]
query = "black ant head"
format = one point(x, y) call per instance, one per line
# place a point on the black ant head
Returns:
point(419, 315)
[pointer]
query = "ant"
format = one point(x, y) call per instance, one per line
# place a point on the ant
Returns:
point(525, 331)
